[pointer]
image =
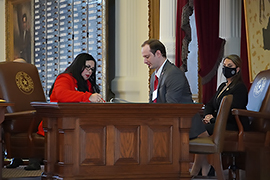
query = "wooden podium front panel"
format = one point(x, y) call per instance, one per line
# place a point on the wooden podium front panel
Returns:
point(92, 145)
point(117, 141)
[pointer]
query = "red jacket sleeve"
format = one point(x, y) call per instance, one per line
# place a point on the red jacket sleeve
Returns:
point(65, 90)
point(40, 129)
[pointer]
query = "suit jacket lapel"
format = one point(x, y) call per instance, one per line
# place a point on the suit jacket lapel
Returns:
point(162, 73)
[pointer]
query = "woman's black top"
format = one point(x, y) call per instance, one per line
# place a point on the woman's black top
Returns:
point(240, 100)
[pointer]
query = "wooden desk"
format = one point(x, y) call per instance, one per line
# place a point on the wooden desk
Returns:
point(3, 106)
point(116, 141)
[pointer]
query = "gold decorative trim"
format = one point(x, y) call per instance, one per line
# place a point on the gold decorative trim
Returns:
point(9, 30)
point(9, 26)
point(153, 20)
point(153, 24)
point(257, 26)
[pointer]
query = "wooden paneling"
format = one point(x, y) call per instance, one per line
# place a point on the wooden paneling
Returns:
point(117, 141)
point(92, 145)
point(127, 145)
point(160, 144)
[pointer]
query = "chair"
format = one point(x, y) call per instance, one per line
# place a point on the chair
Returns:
point(213, 145)
point(20, 84)
point(258, 112)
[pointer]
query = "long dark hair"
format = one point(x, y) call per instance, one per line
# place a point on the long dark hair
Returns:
point(76, 68)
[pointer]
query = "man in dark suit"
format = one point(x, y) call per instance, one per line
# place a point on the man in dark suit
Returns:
point(171, 84)
point(25, 40)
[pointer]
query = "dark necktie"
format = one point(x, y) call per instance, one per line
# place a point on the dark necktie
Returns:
point(155, 86)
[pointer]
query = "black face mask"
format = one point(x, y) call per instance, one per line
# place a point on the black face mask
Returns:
point(228, 72)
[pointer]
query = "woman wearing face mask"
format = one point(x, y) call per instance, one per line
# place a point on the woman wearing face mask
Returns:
point(235, 86)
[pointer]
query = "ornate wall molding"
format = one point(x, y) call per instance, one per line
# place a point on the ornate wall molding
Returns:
point(153, 24)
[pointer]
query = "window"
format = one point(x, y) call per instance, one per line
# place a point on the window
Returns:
point(62, 30)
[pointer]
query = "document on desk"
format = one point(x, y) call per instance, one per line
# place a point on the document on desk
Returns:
point(118, 100)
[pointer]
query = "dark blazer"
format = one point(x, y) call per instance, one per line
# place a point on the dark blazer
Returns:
point(173, 86)
point(25, 46)
point(240, 100)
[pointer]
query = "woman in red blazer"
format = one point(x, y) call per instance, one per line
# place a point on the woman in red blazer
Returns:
point(76, 84)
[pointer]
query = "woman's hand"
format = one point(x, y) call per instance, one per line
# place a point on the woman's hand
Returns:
point(95, 97)
point(207, 118)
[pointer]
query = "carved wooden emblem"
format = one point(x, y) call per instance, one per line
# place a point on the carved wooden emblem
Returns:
point(24, 82)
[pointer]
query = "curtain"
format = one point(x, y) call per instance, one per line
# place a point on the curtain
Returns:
point(244, 55)
point(211, 47)
point(183, 32)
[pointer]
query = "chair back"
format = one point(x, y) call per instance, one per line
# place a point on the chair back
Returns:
point(20, 84)
point(221, 121)
point(258, 91)
point(259, 100)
